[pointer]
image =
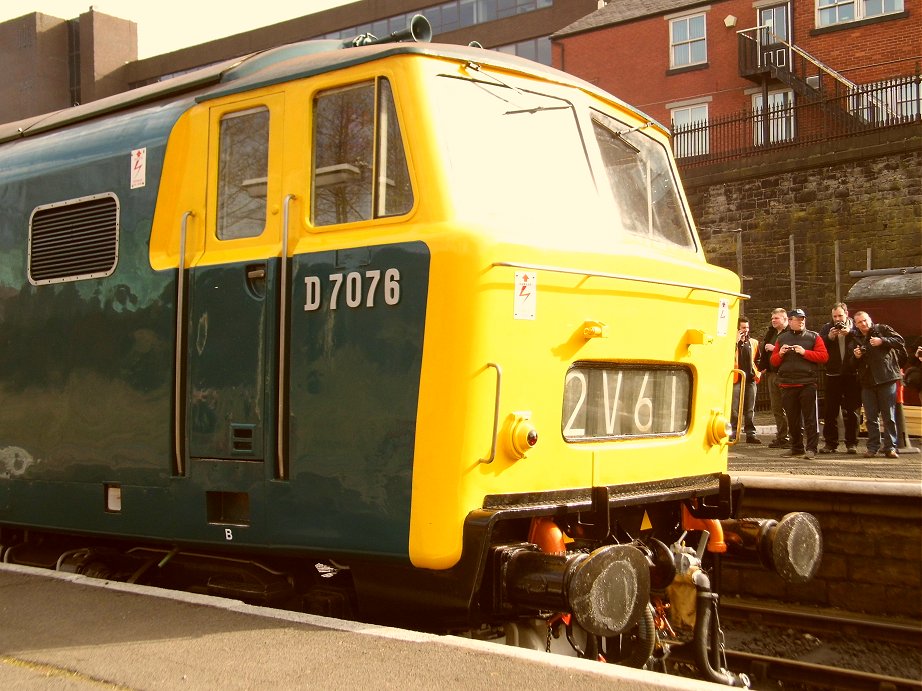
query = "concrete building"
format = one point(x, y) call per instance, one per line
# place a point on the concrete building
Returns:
point(51, 63)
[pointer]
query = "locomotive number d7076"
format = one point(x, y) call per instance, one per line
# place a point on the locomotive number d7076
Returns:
point(612, 401)
point(353, 289)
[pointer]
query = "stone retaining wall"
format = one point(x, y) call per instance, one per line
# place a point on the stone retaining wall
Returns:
point(872, 558)
point(859, 197)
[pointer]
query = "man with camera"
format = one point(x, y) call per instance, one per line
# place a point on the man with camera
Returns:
point(842, 388)
point(746, 350)
point(798, 354)
point(770, 377)
point(874, 350)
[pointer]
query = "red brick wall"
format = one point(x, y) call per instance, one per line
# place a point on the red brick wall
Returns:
point(631, 60)
point(872, 51)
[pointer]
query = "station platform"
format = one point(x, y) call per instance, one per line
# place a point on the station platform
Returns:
point(64, 631)
point(752, 462)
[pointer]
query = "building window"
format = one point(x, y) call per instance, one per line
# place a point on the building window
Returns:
point(831, 12)
point(886, 103)
point(690, 131)
point(447, 16)
point(773, 124)
point(536, 49)
point(688, 41)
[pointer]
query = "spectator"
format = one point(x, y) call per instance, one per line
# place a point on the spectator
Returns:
point(770, 375)
point(843, 391)
point(798, 355)
point(912, 373)
point(875, 359)
point(746, 350)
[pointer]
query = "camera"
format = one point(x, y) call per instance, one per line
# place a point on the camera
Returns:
point(839, 325)
point(863, 348)
point(919, 352)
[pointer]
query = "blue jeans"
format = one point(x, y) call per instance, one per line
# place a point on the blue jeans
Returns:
point(880, 401)
point(749, 407)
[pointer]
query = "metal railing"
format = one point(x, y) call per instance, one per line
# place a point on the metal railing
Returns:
point(864, 108)
point(758, 53)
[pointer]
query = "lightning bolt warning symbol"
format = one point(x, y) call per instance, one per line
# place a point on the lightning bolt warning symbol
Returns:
point(525, 291)
point(526, 295)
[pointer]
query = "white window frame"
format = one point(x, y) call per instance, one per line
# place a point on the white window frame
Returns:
point(885, 102)
point(688, 42)
point(782, 126)
point(683, 145)
point(859, 10)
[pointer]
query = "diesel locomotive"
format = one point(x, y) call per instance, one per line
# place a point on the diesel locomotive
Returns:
point(410, 333)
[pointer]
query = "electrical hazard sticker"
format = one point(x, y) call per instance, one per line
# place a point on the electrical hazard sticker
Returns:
point(138, 168)
point(723, 317)
point(526, 295)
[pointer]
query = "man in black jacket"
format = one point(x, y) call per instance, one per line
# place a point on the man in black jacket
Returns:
point(770, 376)
point(874, 349)
point(842, 387)
point(798, 354)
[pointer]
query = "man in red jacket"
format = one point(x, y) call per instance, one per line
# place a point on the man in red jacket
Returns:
point(798, 354)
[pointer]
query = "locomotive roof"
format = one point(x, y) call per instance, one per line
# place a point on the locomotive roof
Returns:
point(292, 61)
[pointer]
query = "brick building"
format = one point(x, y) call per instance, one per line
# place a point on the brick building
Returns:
point(51, 63)
point(691, 62)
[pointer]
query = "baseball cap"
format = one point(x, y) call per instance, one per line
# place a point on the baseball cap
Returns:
point(797, 313)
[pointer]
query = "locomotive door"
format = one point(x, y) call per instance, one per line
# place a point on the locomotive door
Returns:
point(775, 36)
point(233, 288)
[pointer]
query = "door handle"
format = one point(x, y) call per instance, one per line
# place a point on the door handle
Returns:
point(256, 280)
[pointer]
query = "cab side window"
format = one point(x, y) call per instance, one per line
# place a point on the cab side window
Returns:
point(360, 167)
point(243, 168)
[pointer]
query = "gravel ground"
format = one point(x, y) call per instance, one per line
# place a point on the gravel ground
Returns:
point(837, 650)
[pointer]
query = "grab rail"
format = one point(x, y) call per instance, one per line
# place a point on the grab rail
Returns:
point(623, 277)
point(283, 338)
point(499, 380)
point(180, 337)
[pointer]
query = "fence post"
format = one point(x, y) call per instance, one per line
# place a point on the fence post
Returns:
point(793, 271)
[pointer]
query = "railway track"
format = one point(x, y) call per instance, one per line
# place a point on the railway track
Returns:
point(766, 672)
point(810, 648)
point(822, 621)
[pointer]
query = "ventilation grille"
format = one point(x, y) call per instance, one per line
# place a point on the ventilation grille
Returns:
point(74, 240)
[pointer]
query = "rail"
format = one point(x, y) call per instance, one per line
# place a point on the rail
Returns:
point(777, 663)
point(765, 668)
point(281, 428)
point(621, 277)
point(893, 103)
point(755, 36)
point(875, 628)
point(178, 389)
